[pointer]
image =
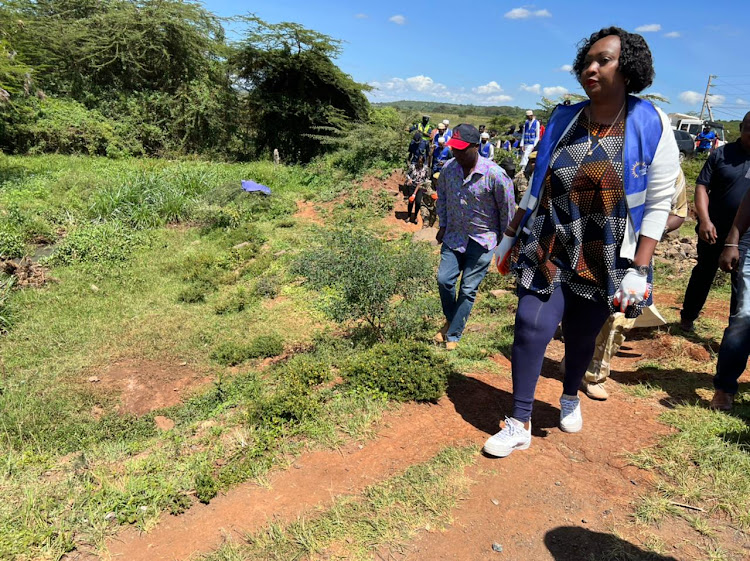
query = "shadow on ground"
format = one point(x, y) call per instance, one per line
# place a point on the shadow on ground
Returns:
point(484, 406)
point(568, 543)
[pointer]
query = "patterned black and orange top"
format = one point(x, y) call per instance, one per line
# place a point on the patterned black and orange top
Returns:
point(580, 225)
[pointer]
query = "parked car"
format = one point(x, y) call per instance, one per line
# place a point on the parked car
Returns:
point(685, 143)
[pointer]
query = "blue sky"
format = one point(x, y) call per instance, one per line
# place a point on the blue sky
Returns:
point(504, 52)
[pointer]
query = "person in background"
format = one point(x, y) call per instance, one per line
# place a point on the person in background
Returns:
point(530, 137)
point(721, 184)
point(440, 133)
point(448, 131)
point(416, 177)
point(424, 128)
point(481, 129)
point(429, 205)
point(735, 344)
point(588, 224)
point(486, 149)
point(705, 139)
point(612, 335)
point(475, 202)
point(441, 155)
point(417, 147)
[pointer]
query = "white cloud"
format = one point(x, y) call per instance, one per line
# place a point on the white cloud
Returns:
point(489, 88)
point(425, 88)
point(650, 28)
point(525, 13)
point(673, 35)
point(716, 99)
point(566, 68)
point(535, 89)
point(690, 97)
point(499, 99)
point(398, 19)
point(740, 101)
point(555, 91)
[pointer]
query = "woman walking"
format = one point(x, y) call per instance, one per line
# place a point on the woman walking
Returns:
point(588, 224)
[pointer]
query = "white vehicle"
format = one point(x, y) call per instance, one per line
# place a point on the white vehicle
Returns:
point(693, 125)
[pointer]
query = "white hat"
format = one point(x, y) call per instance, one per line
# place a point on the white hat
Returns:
point(441, 140)
point(485, 135)
point(529, 113)
point(441, 125)
point(446, 122)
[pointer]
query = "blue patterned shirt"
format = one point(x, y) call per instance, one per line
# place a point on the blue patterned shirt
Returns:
point(478, 207)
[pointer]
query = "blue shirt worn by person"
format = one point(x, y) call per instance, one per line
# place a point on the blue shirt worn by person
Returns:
point(706, 139)
point(439, 157)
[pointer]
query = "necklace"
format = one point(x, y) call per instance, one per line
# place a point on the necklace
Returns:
point(605, 135)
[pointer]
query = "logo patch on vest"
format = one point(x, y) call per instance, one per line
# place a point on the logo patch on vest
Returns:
point(639, 169)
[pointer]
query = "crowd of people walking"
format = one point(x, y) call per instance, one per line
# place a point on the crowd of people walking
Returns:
point(578, 223)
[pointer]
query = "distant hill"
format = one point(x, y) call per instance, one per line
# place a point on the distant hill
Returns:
point(456, 109)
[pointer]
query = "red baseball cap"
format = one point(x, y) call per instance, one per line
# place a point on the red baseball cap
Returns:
point(464, 135)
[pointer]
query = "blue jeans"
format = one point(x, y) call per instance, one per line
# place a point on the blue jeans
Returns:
point(473, 263)
point(735, 345)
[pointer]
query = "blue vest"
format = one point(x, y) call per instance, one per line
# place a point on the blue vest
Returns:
point(530, 131)
point(643, 129)
point(440, 156)
point(484, 149)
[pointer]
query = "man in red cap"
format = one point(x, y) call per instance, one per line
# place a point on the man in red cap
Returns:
point(475, 202)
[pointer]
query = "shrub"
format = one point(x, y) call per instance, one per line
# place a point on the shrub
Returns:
point(362, 274)
point(231, 353)
point(267, 286)
point(11, 241)
point(206, 487)
point(195, 293)
point(405, 372)
point(98, 243)
point(292, 404)
point(306, 370)
point(234, 302)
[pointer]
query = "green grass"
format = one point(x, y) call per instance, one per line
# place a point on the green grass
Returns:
point(385, 516)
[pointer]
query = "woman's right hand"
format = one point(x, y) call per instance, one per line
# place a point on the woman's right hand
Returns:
point(707, 232)
point(502, 253)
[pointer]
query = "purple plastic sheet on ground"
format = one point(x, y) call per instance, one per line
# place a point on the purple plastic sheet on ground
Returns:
point(252, 186)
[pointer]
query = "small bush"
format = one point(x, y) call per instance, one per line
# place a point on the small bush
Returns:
point(267, 286)
point(98, 243)
point(231, 353)
point(195, 293)
point(292, 404)
point(11, 242)
point(206, 487)
point(234, 302)
point(405, 372)
point(306, 370)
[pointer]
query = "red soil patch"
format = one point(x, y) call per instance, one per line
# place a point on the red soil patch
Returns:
point(306, 211)
point(143, 385)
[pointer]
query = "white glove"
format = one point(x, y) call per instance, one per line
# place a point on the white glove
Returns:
point(634, 289)
point(502, 250)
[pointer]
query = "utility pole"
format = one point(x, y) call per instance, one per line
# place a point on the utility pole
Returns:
point(705, 96)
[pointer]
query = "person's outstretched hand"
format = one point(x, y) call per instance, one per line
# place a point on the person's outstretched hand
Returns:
point(634, 289)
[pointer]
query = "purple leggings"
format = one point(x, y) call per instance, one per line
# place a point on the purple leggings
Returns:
point(537, 319)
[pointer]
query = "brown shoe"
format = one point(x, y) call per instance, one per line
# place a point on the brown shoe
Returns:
point(595, 391)
point(687, 326)
point(440, 335)
point(451, 345)
point(722, 401)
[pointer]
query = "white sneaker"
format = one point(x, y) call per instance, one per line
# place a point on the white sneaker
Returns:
point(571, 419)
point(512, 437)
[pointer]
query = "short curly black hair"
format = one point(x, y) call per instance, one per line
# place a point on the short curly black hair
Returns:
point(636, 63)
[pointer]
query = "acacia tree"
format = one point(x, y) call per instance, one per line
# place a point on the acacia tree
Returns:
point(293, 92)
